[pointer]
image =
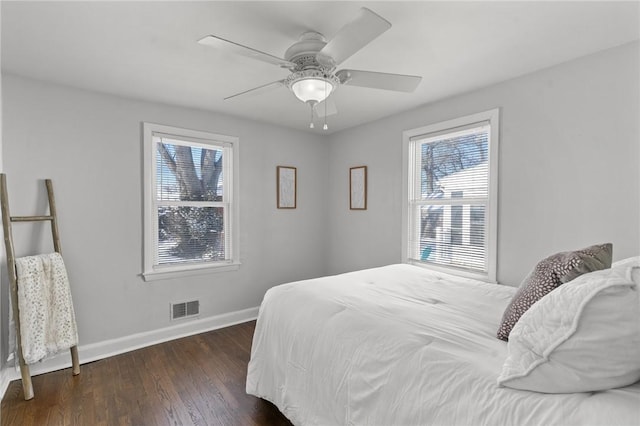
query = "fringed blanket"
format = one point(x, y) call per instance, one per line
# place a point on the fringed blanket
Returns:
point(47, 318)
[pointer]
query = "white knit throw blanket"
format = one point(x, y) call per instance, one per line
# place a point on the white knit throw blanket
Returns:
point(47, 318)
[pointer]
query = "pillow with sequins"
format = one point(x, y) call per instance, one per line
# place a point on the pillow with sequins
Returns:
point(549, 274)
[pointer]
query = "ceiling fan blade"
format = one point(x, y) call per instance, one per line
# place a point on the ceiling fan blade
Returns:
point(325, 108)
point(239, 49)
point(353, 37)
point(379, 80)
point(259, 90)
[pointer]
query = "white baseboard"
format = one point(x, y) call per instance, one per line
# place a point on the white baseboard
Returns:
point(101, 350)
point(4, 380)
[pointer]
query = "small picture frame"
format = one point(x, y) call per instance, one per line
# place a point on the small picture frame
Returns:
point(358, 188)
point(286, 192)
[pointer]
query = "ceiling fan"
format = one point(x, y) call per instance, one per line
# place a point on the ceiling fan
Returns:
point(313, 61)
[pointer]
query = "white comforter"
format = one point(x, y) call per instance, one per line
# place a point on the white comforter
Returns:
point(400, 345)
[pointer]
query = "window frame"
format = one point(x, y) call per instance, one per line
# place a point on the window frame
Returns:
point(492, 117)
point(151, 269)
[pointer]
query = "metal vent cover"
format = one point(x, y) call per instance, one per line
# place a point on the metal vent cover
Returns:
point(193, 308)
point(185, 309)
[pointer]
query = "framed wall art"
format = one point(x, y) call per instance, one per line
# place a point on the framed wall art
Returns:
point(286, 181)
point(358, 188)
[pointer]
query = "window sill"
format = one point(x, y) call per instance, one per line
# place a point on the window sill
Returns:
point(179, 272)
point(453, 271)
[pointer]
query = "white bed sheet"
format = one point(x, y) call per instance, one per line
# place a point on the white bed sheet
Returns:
point(401, 345)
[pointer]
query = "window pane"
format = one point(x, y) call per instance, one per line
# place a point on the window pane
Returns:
point(187, 234)
point(455, 164)
point(476, 225)
point(456, 225)
point(188, 173)
point(451, 235)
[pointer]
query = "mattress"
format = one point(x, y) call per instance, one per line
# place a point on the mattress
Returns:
point(402, 345)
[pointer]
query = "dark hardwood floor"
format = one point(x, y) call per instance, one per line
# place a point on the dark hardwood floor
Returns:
point(197, 380)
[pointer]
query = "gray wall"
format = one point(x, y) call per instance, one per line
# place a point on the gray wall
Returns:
point(90, 145)
point(569, 166)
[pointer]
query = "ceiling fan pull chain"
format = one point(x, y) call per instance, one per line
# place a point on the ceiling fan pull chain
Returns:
point(325, 127)
point(311, 126)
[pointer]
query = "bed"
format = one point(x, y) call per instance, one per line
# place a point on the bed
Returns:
point(403, 345)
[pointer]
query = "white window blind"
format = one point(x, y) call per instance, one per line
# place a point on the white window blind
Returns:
point(190, 201)
point(189, 213)
point(451, 195)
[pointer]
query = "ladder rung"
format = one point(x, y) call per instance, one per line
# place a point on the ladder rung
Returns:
point(30, 218)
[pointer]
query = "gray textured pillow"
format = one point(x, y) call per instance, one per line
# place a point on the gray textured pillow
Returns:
point(550, 273)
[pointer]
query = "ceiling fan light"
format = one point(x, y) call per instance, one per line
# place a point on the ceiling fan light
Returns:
point(312, 89)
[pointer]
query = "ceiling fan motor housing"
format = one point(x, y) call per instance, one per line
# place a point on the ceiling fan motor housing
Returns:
point(303, 54)
point(305, 49)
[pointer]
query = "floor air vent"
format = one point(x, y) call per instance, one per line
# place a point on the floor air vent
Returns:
point(185, 309)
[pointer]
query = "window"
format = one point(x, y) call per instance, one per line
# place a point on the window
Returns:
point(190, 210)
point(450, 213)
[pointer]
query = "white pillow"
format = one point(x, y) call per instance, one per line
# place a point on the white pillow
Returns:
point(583, 336)
point(632, 266)
point(633, 274)
point(629, 261)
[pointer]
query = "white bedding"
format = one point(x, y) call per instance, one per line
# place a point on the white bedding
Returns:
point(400, 345)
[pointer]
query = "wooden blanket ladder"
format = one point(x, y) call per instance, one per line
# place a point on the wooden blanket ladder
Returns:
point(7, 219)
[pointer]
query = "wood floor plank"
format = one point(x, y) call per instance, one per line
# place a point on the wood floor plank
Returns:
point(198, 380)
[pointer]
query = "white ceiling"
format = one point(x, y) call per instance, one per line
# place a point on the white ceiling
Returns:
point(147, 50)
